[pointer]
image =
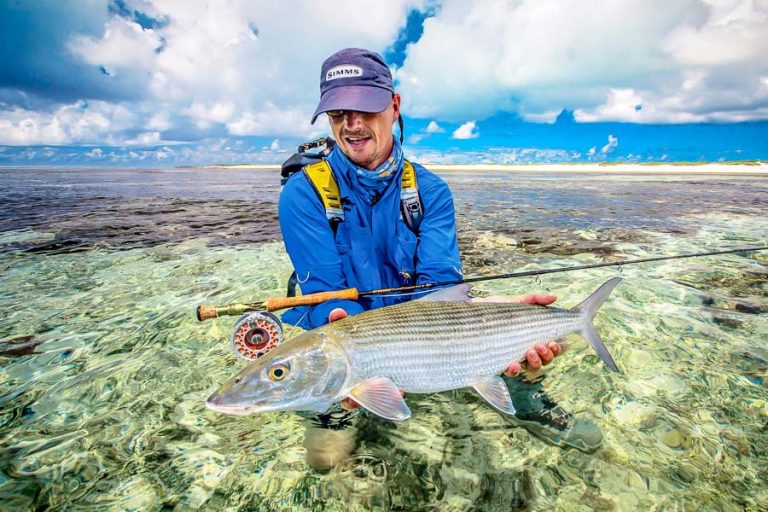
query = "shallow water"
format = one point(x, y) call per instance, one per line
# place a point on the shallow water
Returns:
point(105, 370)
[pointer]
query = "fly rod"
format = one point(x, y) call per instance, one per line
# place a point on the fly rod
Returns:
point(206, 312)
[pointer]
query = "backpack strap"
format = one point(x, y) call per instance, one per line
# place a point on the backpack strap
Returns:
point(410, 202)
point(323, 181)
point(321, 177)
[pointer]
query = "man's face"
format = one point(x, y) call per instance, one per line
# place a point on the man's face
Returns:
point(365, 138)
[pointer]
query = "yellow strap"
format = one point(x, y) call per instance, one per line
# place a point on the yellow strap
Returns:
point(321, 177)
point(409, 175)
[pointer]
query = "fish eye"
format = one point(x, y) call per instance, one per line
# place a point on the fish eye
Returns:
point(278, 372)
point(237, 380)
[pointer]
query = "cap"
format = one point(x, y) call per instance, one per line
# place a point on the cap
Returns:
point(354, 79)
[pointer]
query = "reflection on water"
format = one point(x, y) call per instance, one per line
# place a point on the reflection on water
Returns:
point(75, 211)
point(104, 371)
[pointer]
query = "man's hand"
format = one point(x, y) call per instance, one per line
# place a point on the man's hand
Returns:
point(540, 355)
point(337, 314)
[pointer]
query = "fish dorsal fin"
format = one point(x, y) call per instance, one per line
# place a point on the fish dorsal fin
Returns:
point(380, 396)
point(458, 293)
point(495, 391)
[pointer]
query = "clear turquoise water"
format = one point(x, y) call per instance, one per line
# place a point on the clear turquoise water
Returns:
point(105, 372)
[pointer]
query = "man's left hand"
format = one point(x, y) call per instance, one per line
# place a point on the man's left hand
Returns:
point(540, 355)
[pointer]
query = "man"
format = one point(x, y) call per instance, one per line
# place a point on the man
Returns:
point(373, 246)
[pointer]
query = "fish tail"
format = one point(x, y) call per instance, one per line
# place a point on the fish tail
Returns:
point(588, 309)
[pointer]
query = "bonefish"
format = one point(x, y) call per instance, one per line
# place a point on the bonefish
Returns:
point(440, 342)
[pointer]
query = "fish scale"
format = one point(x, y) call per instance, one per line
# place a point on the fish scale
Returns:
point(427, 346)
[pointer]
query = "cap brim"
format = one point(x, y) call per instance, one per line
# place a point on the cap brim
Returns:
point(354, 97)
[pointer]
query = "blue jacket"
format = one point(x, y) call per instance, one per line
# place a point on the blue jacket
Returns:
point(373, 247)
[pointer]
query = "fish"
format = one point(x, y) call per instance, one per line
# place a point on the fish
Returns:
point(440, 342)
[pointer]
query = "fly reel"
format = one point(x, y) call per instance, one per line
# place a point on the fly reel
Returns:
point(255, 334)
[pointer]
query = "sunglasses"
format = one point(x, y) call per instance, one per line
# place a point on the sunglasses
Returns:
point(337, 114)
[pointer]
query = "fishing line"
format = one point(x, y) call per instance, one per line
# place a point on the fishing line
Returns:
point(208, 311)
point(405, 293)
point(540, 272)
point(258, 330)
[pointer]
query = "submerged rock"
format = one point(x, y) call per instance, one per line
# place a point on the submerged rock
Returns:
point(21, 346)
point(749, 308)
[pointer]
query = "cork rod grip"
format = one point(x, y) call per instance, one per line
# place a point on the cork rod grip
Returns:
point(206, 312)
point(275, 304)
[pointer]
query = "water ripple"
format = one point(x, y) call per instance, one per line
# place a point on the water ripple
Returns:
point(104, 370)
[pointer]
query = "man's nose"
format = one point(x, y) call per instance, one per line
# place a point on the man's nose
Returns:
point(352, 118)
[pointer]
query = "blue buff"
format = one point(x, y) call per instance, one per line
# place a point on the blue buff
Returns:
point(373, 182)
point(372, 248)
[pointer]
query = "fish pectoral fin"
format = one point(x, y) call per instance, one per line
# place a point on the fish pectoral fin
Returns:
point(495, 391)
point(380, 396)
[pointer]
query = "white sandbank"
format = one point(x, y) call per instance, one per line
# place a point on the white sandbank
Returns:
point(619, 168)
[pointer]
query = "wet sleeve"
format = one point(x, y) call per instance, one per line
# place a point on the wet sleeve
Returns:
point(310, 244)
point(437, 255)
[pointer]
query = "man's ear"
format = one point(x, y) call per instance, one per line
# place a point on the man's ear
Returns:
point(396, 106)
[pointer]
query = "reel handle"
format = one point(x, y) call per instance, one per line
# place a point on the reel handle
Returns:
point(278, 303)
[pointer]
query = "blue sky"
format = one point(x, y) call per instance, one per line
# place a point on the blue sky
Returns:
point(174, 82)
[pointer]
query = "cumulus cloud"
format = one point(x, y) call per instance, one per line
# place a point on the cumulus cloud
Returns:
point(613, 143)
point(159, 121)
point(247, 67)
point(175, 70)
point(433, 127)
point(272, 120)
point(621, 105)
point(144, 139)
point(496, 155)
point(82, 121)
point(467, 130)
point(241, 67)
point(109, 51)
point(202, 152)
point(536, 57)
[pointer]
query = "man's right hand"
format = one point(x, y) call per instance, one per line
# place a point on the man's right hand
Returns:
point(540, 355)
point(337, 314)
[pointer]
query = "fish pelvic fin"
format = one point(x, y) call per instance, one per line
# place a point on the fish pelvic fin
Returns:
point(382, 397)
point(588, 308)
point(496, 393)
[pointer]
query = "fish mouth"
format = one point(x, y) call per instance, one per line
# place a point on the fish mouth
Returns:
point(218, 402)
point(234, 410)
